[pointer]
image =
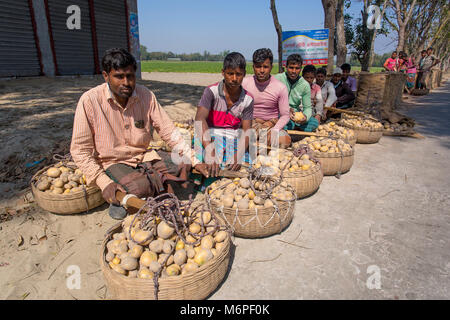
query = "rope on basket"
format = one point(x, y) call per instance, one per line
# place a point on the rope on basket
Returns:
point(255, 175)
point(177, 214)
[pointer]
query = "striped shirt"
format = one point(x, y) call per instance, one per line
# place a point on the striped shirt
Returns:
point(220, 116)
point(104, 133)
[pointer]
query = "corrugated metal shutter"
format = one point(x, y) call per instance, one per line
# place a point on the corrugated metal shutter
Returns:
point(18, 52)
point(73, 48)
point(111, 25)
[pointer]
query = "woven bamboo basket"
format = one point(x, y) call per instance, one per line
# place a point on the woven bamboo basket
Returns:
point(305, 182)
point(365, 135)
point(66, 203)
point(191, 286)
point(252, 223)
point(335, 163)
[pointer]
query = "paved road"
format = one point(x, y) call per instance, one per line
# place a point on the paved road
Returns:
point(388, 219)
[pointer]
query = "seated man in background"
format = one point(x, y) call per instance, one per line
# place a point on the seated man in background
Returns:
point(299, 92)
point(224, 108)
point(344, 94)
point(111, 134)
point(327, 88)
point(347, 78)
point(271, 101)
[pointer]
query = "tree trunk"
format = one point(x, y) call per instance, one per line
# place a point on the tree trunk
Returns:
point(401, 37)
point(340, 34)
point(279, 33)
point(329, 9)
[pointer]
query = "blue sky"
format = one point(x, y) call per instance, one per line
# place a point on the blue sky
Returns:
point(187, 26)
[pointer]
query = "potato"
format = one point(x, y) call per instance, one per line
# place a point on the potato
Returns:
point(207, 242)
point(203, 256)
point(164, 230)
point(136, 251)
point(109, 256)
point(58, 183)
point(147, 257)
point(133, 274)
point(180, 245)
point(168, 246)
point(244, 183)
point(173, 270)
point(190, 267)
point(156, 245)
point(268, 203)
point(220, 236)
point(180, 257)
point(143, 237)
point(190, 253)
point(154, 266)
point(53, 172)
point(144, 273)
point(195, 228)
point(118, 269)
point(44, 185)
point(58, 190)
point(242, 204)
point(228, 201)
point(129, 263)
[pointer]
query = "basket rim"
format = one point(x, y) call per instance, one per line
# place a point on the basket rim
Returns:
point(335, 154)
point(361, 128)
point(170, 280)
point(303, 173)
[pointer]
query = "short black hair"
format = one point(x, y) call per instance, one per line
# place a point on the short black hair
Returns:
point(262, 54)
point(294, 58)
point(309, 68)
point(234, 60)
point(117, 58)
point(423, 51)
point(322, 71)
point(430, 48)
point(346, 66)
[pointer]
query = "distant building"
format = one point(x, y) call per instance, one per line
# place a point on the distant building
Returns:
point(64, 37)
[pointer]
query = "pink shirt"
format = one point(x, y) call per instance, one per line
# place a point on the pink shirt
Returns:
point(391, 64)
point(271, 100)
point(351, 83)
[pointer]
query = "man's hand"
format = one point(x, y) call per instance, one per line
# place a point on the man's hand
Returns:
point(213, 169)
point(318, 117)
point(291, 113)
point(109, 193)
point(203, 169)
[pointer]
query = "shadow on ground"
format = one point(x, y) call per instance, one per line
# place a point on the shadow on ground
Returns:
point(432, 112)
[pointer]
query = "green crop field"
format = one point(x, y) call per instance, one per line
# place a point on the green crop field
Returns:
point(204, 66)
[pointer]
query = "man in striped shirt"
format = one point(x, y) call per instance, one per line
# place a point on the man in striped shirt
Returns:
point(224, 109)
point(112, 132)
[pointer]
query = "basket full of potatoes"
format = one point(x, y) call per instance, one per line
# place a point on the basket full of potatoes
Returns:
point(184, 257)
point(253, 207)
point(299, 169)
point(334, 130)
point(335, 154)
point(366, 130)
point(61, 188)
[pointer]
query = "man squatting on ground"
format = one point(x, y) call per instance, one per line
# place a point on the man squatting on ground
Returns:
point(346, 68)
point(224, 109)
point(327, 88)
point(344, 94)
point(271, 102)
point(299, 93)
point(111, 133)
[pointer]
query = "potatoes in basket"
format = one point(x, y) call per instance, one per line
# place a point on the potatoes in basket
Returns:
point(62, 180)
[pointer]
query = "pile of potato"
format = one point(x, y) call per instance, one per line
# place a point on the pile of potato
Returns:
point(186, 131)
point(362, 123)
point(336, 131)
point(60, 179)
point(324, 145)
point(237, 194)
point(284, 159)
point(141, 254)
point(396, 127)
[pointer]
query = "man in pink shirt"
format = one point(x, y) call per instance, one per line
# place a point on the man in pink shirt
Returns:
point(346, 67)
point(271, 100)
point(112, 131)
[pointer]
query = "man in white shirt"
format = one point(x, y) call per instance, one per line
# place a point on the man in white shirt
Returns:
point(327, 88)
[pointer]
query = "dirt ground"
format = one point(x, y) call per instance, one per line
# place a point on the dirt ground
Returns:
point(390, 213)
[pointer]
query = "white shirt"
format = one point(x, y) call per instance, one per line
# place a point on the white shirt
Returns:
point(328, 93)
